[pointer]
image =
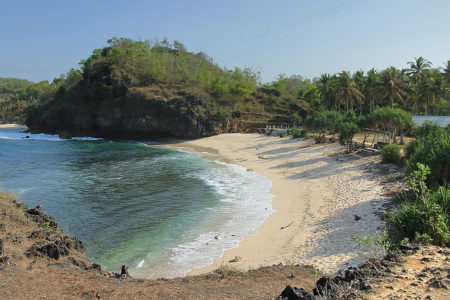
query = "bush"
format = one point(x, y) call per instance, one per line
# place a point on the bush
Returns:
point(414, 220)
point(282, 134)
point(442, 198)
point(295, 132)
point(424, 216)
point(347, 131)
point(391, 154)
point(303, 133)
point(433, 149)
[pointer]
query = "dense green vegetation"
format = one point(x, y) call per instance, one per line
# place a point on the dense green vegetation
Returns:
point(12, 106)
point(130, 70)
point(423, 215)
point(143, 80)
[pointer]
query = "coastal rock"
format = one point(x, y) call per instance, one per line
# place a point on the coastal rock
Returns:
point(4, 262)
point(1, 246)
point(293, 293)
point(73, 243)
point(53, 250)
point(83, 265)
point(78, 263)
point(124, 273)
point(40, 217)
point(14, 238)
point(2, 228)
point(42, 234)
point(405, 248)
point(134, 114)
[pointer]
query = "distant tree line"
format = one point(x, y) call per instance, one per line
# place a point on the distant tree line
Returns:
point(418, 89)
point(127, 65)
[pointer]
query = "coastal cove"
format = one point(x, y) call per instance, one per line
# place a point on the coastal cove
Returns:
point(155, 209)
point(318, 192)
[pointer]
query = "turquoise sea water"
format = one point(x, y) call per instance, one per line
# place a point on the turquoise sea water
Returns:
point(153, 208)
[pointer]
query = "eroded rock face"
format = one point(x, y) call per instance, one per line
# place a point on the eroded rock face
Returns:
point(133, 115)
point(53, 250)
point(42, 218)
point(54, 245)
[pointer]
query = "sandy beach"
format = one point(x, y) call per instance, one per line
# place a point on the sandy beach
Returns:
point(12, 125)
point(318, 192)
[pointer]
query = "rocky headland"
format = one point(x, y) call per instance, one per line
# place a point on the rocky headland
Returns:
point(37, 260)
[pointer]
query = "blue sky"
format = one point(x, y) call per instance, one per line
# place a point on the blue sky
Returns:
point(42, 39)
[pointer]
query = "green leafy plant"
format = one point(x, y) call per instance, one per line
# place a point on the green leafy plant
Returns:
point(303, 133)
point(347, 131)
point(417, 182)
point(374, 246)
point(314, 272)
point(46, 224)
point(391, 154)
point(295, 132)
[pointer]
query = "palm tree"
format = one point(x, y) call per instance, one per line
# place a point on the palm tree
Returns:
point(347, 91)
point(360, 83)
point(434, 89)
point(323, 85)
point(447, 79)
point(417, 70)
point(370, 90)
point(393, 85)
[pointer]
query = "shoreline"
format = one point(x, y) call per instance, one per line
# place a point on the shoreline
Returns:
point(13, 125)
point(314, 201)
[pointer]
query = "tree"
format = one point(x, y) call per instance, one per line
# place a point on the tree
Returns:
point(416, 71)
point(447, 79)
point(393, 85)
point(392, 121)
point(347, 90)
point(433, 89)
point(370, 88)
point(360, 83)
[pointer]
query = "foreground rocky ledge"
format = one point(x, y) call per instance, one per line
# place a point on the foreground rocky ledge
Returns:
point(37, 260)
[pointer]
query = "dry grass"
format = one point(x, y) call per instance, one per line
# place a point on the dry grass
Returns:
point(46, 278)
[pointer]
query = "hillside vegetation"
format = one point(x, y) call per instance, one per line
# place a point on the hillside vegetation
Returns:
point(12, 106)
point(146, 89)
point(143, 89)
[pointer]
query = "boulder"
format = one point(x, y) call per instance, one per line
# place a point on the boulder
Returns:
point(40, 217)
point(293, 293)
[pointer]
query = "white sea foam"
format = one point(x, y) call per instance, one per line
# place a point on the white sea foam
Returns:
point(246, 203)
point(20, 134)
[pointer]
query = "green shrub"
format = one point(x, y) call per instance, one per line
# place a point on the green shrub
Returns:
point(282, 134)
point(410, 149)
point(424, 216)
point(46, 224)
point(413, 220)
point(347, 131)
point(295, 132)
point(303, 133)
point(442, 197)
point(433, 149)
point(391, 154)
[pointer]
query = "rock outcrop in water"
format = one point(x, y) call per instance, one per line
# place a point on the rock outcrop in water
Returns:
point(132, 116)
point(131, 89)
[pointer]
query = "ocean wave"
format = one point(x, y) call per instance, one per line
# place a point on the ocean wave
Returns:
point(246, 203)
point(20, 134)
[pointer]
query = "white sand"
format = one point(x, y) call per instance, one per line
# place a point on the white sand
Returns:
point(13, 126)
point(316, 188)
